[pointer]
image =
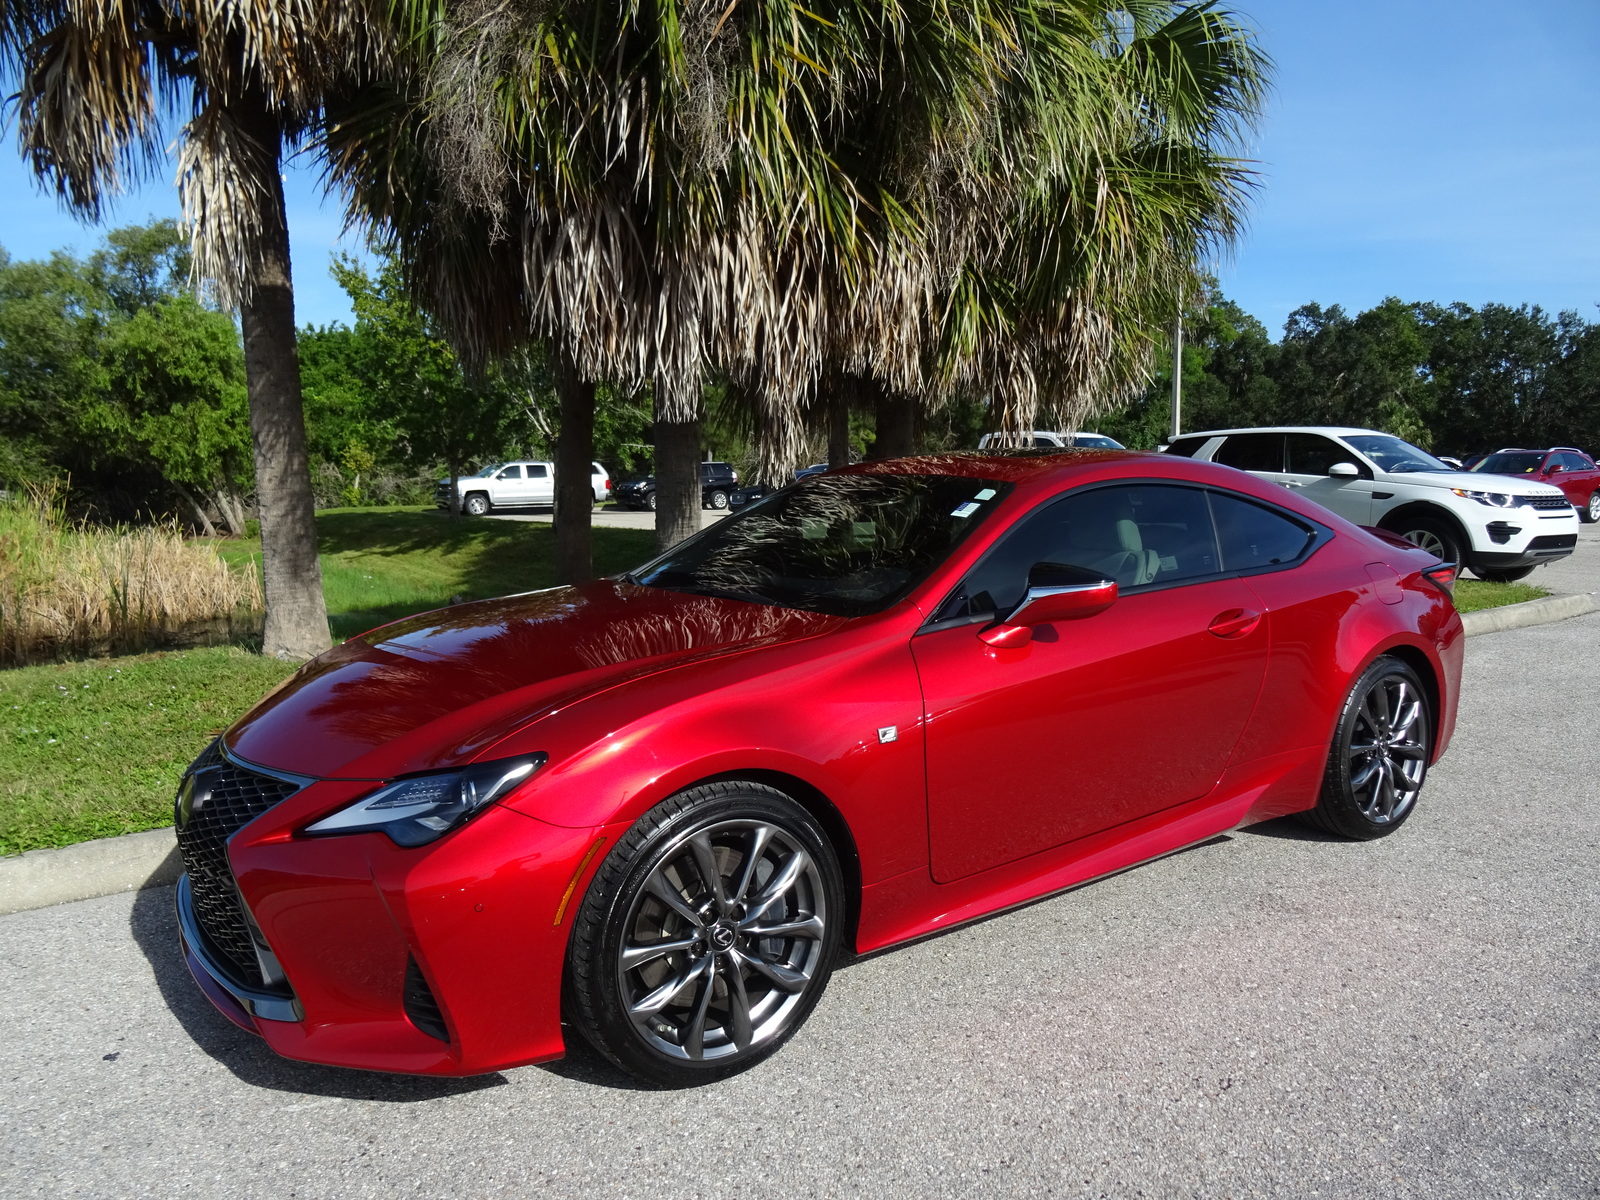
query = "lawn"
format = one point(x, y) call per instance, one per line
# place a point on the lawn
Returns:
point(93, 749)
point(1475, 594)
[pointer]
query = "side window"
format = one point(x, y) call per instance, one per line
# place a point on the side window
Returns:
point(1573, 462)
point(596, 469)
point(510, 473)
point(537, 471)
point(1141, 535)
point(1253, 536)
point(1251, 452)
point(1313, 454)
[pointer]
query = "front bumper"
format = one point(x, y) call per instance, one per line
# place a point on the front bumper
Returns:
point(1546, 547)
point(356, 922)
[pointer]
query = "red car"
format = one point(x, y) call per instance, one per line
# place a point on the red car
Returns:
point(1573, 471)
point(879, 703)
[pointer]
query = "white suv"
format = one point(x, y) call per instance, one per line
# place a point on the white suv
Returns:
point(1044, 439)
point(1499, 527)
point(514, 485)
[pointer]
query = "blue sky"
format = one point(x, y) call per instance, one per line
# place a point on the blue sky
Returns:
point(1429, 149)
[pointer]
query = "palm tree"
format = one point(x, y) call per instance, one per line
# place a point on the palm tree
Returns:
point(95, 82)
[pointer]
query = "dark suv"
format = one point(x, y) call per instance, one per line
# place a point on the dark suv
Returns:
point(717, 481)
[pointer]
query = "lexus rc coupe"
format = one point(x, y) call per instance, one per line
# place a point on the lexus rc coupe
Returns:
point(655, 809)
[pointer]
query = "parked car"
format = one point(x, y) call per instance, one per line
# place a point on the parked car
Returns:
point(717, 481)
point(1499, 532)
point(1042, 439)
point(740, 497)
point(1571, 470)
point(877, 704)
point(514, 485)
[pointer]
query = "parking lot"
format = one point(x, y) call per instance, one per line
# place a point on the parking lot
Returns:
point(1272, 1013)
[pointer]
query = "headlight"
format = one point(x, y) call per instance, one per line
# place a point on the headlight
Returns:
point(1492, 499)
point(423, 808)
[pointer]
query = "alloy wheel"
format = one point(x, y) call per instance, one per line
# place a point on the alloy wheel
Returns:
point(1388, 750)
point(1594, 508)
point(1427, 539)
point(723, 941)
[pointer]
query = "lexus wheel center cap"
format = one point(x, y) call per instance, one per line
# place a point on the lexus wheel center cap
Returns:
point(722, 936)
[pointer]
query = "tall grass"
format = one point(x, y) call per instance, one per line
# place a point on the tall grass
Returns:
point(70, 587)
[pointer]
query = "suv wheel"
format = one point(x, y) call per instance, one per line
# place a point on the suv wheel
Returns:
point(718, 499)
point(1438, 537)
point(477, 505)
point(1591, 513)
point(650, 502)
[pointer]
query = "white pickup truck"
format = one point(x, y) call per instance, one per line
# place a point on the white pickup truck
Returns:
point(514, 485)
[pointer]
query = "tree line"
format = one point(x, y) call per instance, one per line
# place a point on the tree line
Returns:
point(1450, 378)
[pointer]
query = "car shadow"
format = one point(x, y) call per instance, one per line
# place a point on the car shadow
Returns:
point(1291, 829)
point(154, 925)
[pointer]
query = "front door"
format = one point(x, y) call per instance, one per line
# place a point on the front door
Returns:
point(1095, 722)
point(509, 488)
point(1310, 457)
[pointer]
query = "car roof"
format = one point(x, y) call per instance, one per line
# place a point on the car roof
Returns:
point(1336, 430)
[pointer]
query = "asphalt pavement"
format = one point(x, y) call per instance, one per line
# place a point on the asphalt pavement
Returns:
point(1273, 1013)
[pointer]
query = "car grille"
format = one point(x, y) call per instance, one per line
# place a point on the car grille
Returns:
point(1554, 541)
point(1550, 502)
point(237, 796)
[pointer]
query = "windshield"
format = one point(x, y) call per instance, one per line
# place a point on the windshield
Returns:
point(1510, 464)
point(1095, 441)
point(847, 545)
point(486, 472)
point(1393, 455)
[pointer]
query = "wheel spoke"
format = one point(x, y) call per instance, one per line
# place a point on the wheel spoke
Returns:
point(759, 837)
point(1385, 793)
point(635, 956)
point(777, 885)
point(785, 979)
point(1407, 750)
point(738, 1006)
point(655, 1001)
point(806, 927)
point(1407, 717)
point(705, 861)
point(1361, 779)
point(1370, 713)
point(694, 1044)
point(668, 895)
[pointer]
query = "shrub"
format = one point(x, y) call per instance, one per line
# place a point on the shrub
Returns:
point(70, 587)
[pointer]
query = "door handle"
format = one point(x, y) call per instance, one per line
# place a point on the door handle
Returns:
point(1234, 623)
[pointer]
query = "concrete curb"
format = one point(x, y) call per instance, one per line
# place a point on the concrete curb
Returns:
point(102, 867)
point(1530, 612)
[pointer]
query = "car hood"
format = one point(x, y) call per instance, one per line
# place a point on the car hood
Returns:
point(436, 690)
point(1474, 481)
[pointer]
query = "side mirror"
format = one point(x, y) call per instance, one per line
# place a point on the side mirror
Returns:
point(1344, 470)
point(1056, 592)
point(1554, 469)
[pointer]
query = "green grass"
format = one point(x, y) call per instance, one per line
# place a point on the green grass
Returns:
point(381, 564)
point(1475, 594)
point(94, 749)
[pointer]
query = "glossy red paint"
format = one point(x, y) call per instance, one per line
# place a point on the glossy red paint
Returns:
point(1174, 715)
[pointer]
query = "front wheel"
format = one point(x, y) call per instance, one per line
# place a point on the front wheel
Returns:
point(708, 935)
point(1591, 513)
point(1379, 758)
point(1435, 536)
point(650, 502)
point(477, 506)
point(1510, 575)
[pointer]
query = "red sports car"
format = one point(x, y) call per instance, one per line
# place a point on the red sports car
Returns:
point(869, 707)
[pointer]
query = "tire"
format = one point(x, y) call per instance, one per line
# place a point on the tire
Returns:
point(1590, 514)
point(718, 499)
point(1433, 534)
point(650, 502)
point(651, 890)
point(1359, 797)
point(1511, 575)
point(477, 505)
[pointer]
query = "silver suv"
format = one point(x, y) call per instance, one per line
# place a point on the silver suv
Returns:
point(1498, 527)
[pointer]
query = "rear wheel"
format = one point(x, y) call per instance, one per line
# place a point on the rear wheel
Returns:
point(1379, 759)
point(718, 499)
point(708, 935)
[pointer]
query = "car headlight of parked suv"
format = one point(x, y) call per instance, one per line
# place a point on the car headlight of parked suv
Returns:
point(1492, 499)
point(423, 808)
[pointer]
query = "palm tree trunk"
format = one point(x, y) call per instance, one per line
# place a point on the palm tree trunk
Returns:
point(574, 489)
point(838, 401)
point(677, 479)
point(297, 616)
point(896, 422)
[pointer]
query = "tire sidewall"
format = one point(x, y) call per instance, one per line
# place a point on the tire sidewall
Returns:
point(595, 993)
point(1338, 806)
point(1442, 529)
point(476, 506)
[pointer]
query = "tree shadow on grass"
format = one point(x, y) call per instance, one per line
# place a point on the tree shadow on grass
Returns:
point(155, 929)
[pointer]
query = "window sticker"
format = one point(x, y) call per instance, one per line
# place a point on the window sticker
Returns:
point(965, 510)
point(986, 494)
